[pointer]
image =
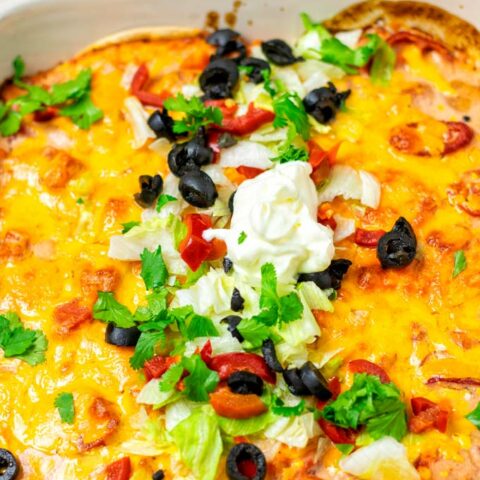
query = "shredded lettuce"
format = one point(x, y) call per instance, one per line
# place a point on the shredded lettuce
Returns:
point(151, 395)
point(314, 297)
point(249, 426)
point(294, 431)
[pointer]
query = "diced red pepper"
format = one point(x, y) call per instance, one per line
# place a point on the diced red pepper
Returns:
point(248, 123)
point(227, 107)
point(119, 470)
point(335, 388)
point(321, 160)
point(368, 238)
point(140, 79)
point(137, 87)
point(219, 249)
point(152, 99)
point(45, 115)
point(337, 434)
point(206, 352)
point(427, 415)
point(193, 248)
point(157, 366)
point(420, 404)
point(249, 172)
point(364, 366)
point(227, 363)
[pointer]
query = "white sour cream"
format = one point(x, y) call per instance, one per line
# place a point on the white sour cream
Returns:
point(277, 211)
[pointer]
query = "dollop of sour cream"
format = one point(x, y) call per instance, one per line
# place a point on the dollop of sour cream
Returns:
point(275, 220)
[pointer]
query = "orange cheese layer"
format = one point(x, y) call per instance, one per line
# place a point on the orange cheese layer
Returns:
point(416, 323)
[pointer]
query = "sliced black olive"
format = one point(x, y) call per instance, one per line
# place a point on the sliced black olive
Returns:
point(162, 124)
point(150, 189)
point(188, 156)
point(294, 382)
point(237, 301)
point(398, 247)
point(313, 379)
point(245, 383)
point(257, 65)
point(232, 321)
point(323, 103)
point(226, 140)
point(270, 356)
point(331, 277)
point(158, 475)
point(8, 465)
point(231, 201)
point(219, 79)
point(122, 337)
point(227, 42)
point(239, 455)
point(279, 52)
point(221, 37)
point(227, 264)
point(198, 189)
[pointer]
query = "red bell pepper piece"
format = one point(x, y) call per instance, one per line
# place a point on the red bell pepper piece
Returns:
point(368, 238)
point(420, 404)
point(337, 434)
point(248, 123)
point(157, 366)
point(206, 352)
point(193, 248)
point(119, 470)
point(249, 172)
point(321, 160)
point(227, 107)
point(45, 115)
point(137, 87)
point(140, 79)
point(426, 415)
point(364, 366)
point(227, 363)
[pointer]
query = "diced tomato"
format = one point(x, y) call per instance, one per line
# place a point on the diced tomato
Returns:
point(248, 123)
point(420, 404)
point(70, 315)
point(228, 107)
point(321, 160)
point(119, 470)
point(152, 99)
point(426, 415)
point(227, 363)
point(337, 434)
point(45, 115)
point(249, 172)
point(368, 238)
point(335, 387)
point(458, 135)
point(137, 87)
point(364, 366)
point(193, 248)
point(157, 366)
point(140, 79)
point(206, 352)
point(219, 249)
point(235, 405)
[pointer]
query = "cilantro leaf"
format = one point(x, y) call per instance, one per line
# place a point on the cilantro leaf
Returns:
point(65, 406)
point(278, 408)
point(345, 448)
point(291, 154)
point(171, 377)
point(372, 403)
point(289, 110)
point(192, 325)
point(196, 113)
point(383, 64)
point(154, 271)
point(242, 237)
point(127, 226)
point(460, 263)
point(75, 89)
point(163, 199)
point(145, 348)
point(18, 67)
point(474, 416)
point(310, 25)
point(253, 332)
point(83, 113)
point(19, 342)
point(11, 123)
point(200, 381)
point(108, 309)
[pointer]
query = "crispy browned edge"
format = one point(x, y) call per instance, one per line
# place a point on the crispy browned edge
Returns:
point(451, 30)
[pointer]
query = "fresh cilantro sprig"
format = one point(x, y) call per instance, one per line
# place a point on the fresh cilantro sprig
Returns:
point(196, 114)
point(163, 199)
point(459, 263)
point(65, 406)
point(154, 271)
point(291, 154)
point(72, 98)
point(108, 309)
point(19, 342)
point(278, 407)
point(241, 237)
point(474, 416)
point(127, 226)
point(372, 403)
point(290, 112)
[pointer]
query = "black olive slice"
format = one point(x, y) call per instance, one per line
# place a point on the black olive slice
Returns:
point(257, 65)
point(231, 200)
point(232, 321)
point(122, 337)
point(237, 301)
point(162, 124)
point(270, 356)
point(198, 189)
point(219, 78)
point(331, 277)
point(227, 265)
point(313, 379)
point(397, 248)
point(158, 475)
point(222, 37)
point(226, 140)
point(150, 189)
point(8, 465)
point(242, 454)
point(295, 383)
point(245, 383)
point(279, 52)
point(234, 50)
point(323, 103)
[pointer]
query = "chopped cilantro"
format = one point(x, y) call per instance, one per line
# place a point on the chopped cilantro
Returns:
point(154, 271)
point(267, 83)
point(310, 25)
point(127, 226)
point(196, 113)
point(278, 407)
point(192, 325)
point(291, 154)
point(171, 377)
point(83, 113)
point(80, 201)
point(345, 448)
point(460, 263)
point(372, 403)
point(65, 407)
point(163, 199)
point(242, 237)
point(474, 416)
point(289, 111)
point(383, 64)
point(200, 381)
point(253, 332)
point(108, 309)
point(19, 342)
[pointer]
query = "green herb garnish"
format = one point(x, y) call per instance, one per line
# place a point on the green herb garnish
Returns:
point(65, 406)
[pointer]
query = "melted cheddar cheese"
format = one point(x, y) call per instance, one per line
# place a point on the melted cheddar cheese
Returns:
point(417, 322)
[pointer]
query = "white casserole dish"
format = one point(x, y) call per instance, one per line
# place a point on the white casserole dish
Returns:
point(46, 32)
